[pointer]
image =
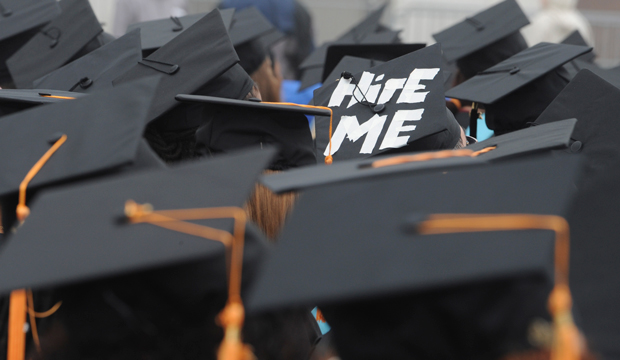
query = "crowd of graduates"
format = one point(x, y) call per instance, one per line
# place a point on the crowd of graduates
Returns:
point(163, 198)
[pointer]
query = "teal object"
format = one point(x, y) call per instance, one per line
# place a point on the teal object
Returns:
point(483, 131)
point(323, 325)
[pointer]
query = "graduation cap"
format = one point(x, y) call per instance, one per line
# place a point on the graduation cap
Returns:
point(575, 38)
point(517, 90)
point(612, 75)
point(365, 239)
point(396, 106)
point(210, 69)
point(486, 39)
point(594, 229)
point(518, 144)
point(157, 33)
point(234, 124)
point(368, 31)
point(252, 34)
point(96, 70)
point(378, 52)
point(70, 140)
point(12, 100)
point(350, 64)
point(142, 222)
point(20, 21)
point(69, 36)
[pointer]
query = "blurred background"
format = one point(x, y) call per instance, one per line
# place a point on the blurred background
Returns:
point(418, 19)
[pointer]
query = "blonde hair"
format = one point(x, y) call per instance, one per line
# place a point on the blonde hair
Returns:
point(269, 210)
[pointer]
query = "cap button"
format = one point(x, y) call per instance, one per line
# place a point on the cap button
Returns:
point(576, 147)
point(514, 71)
point(85, 83)
point(55, 137)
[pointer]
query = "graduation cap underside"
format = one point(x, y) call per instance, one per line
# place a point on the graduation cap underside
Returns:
point(354, 240)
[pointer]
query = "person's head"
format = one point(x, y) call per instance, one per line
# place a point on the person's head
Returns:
point(257, 62)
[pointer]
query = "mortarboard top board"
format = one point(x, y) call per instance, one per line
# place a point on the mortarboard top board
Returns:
point(248, 24)
point(403, 109)
point(351, 64)
point(188, 72)
point(157, 33)
point(520, 143)
point(514, 73)
point(95, 71)
point(612, 76)
point(312, 66)
point(378, 52)
point(481, 30)
point(234, 124)
point(349, 241)
point(98, 243)
point(594, 246)
point(575, 38)
point(19, 22)
point(103, 132)
point(56, 44)
point(19, 16)
point(14, 100)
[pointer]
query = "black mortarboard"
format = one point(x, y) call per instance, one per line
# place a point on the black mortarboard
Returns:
point(533, 140)
point(97, 242)
point(96, 70)
point(157, 33)
point(486, 39)
point(612, 76)
point(69, 36)
point(517, 90)
point(252, 34)
point(376, 52)
point(235, 124)
point(357, 241)
point(396, 105)
point(209, 69)
point(350, 64)
point(575, 38)
point(368, 31)
point(102, 134)
point(19, 22)
point(12, 101)
point(593, 218)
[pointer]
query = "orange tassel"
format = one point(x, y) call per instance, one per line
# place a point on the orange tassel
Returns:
point(567, 339)
point(319, 316)
point(232, 348)
point(17, 320)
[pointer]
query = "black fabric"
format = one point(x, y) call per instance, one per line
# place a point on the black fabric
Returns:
point(157, 33)
point(575, 38)
point(521, 143)
point(516, 72)
point(252, 54)
point(103, 133)
point(26, 18)
point(481, 30)
point(491, 55)
point(523, 106)
point(594, 227)
point(483, 321)
point(234, 128)
point(96, 70)
point(12, 101)
point(440, 130)
point(211, 57)
point(377, 53)
point(97, 243)
point(248, 24)
point(349, 241)
point(351, 64)
point(56, 44)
